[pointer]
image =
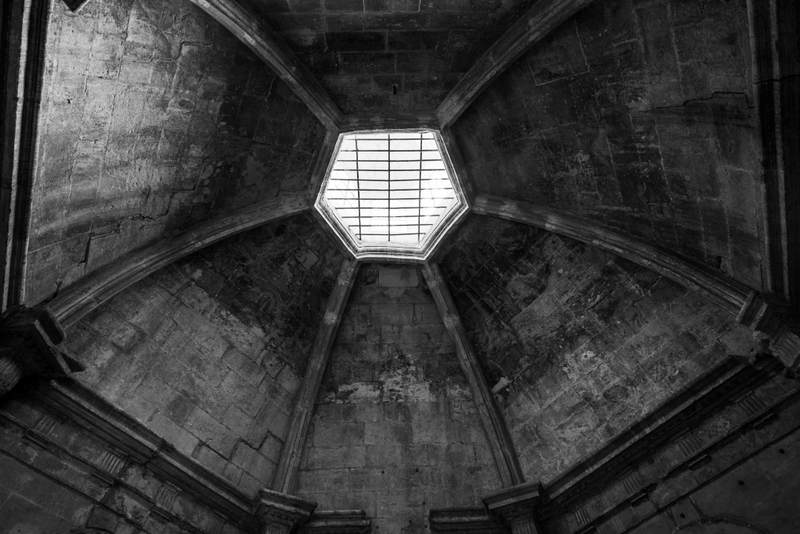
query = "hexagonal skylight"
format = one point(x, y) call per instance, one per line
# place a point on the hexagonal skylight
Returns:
point(391, 194)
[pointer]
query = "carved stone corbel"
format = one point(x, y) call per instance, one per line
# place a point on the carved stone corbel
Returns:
point(779, 333)
point(29, 339)
point(517, 506)
point(281, 513)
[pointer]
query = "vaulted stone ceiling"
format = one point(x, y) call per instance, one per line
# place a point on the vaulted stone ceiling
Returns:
point(619, 250)
point(388, 56)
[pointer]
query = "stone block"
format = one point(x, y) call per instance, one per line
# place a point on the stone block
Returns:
point(357, 41)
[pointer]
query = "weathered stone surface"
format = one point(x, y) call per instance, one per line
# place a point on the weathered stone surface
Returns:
point(580, 344)
point(395, 431)
point(388, 56)
point(153, 118)
point(641, 116)
point(58, 475)
point(210, 353)
point(757, 495)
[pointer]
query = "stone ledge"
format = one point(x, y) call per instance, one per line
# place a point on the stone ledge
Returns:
point(338, 522)
point(464, 520)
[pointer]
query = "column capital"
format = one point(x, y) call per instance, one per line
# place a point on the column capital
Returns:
point(517, 506)
point(281, 512)
point(777, 331)
point(29, 345)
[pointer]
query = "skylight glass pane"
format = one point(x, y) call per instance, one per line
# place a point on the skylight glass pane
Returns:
point(389, 187)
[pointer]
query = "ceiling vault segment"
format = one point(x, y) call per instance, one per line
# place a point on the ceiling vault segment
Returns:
point(285, 476)
point(93, 290)
point(270, 48)
point(533, 26)
point(722, 290)
point(494, 425)
point(762, 313)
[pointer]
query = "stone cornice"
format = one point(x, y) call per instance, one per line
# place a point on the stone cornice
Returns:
point(126, 435)
point(274, 507)
point(702, 400)
point(464, 521)
point(338, 522)
point(519, 500)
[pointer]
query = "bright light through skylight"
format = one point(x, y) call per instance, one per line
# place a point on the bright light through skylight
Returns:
point(389, 188)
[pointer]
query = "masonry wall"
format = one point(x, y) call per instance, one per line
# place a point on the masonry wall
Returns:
point(58, 477)
point(638, 115)
point(153, 118)
point(388, 56)
point(395, 430)
point(586, 342)
point(717, 460)
point(757, 496)
point(209, 353)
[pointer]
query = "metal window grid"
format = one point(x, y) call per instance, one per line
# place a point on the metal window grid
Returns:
point(389, 187)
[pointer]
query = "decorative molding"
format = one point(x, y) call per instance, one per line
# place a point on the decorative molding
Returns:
point(773, 322)
point(514, 501)
point(668, 473)
point(723, 290)
point(286, 472)
point(271, 49)
point(464, 521)
point(517, 506)
point(281, 513)
point(697, 432)
point(705, 398)
point(538, 22)
point(24, 36)
point(338, 522)
point(129, 442)
point(89, 292)
point(497, 436)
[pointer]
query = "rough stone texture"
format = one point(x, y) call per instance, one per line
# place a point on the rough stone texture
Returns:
point(57, 476)
point(153, 118)
point(388, 55)
point(395, 430)
point(639, 115)
point(589, 341)
point(210, 353)
point(757, 496)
